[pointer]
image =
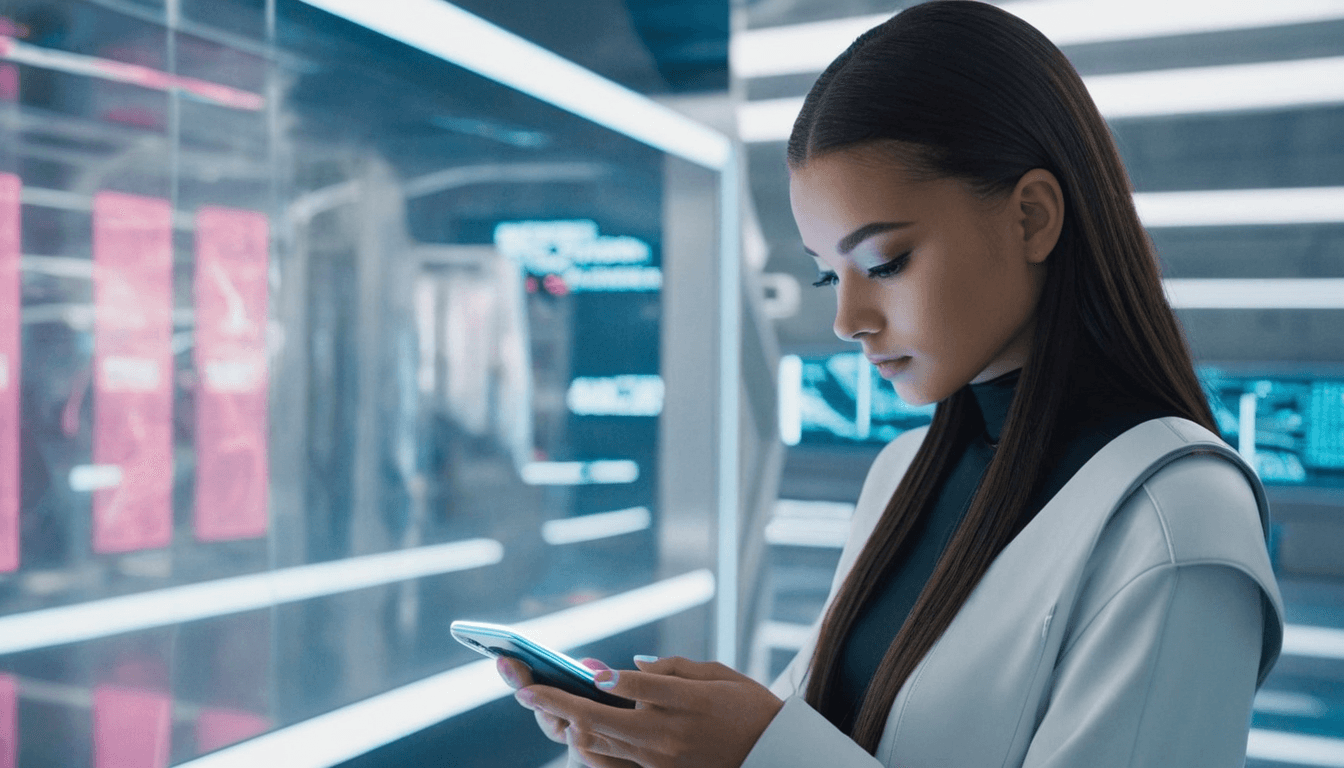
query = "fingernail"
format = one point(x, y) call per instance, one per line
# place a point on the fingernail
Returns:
point(646, 659)
point(524, 697)
point(606, 678)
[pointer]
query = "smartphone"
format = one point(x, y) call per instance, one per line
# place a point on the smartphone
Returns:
point(549, 667)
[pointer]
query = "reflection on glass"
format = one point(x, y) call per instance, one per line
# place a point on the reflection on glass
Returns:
point(289, 301)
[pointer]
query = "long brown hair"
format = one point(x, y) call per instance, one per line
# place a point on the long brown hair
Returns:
point(969, 91)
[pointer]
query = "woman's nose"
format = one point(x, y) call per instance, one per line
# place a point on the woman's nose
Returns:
point(856, 315)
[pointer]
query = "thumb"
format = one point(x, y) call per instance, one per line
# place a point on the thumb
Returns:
point(594, 664)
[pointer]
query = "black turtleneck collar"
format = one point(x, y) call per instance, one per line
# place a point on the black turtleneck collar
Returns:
point(994, 397)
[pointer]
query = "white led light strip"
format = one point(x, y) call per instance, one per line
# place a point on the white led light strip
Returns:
point(192, 602)
point(1295, 748)
point(454, 35)
point(1255, 293)
point(1193, 90)
point(345, 733)
point(803, 48)
point(600, 525)
point(1241, 207)
point(134, 74)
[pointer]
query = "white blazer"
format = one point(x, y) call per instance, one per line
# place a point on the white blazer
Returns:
point(1129, 624)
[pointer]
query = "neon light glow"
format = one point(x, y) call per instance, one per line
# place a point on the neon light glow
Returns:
point(338, 736)
point(1318, 642)
point(134, 74)
point(801, 48)
point(131, 727)
point(580, 472)
point(232, 465)
point(1296, 748)
point(456, 36)
point(1227, 88)
point(133, 364)
point(628, 395)
point(1241, 207)
point(809, 524)
point(175, 605)
point(601, 525)
point(1255, 293)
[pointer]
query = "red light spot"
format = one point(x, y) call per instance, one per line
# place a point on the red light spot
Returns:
point(531, 285)
point(555, 285)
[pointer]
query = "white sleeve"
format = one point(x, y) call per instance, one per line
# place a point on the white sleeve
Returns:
point(1163, 675)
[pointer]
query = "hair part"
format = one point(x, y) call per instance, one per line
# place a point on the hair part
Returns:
point(962, 89)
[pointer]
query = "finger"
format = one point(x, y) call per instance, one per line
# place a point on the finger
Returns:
point(551, 726)
point(659, 690)
point(599, 750)
point(677, 666)
point(586, 713)
point(515, 673)
point(594, 663)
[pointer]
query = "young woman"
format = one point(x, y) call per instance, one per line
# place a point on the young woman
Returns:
point(1067, 568)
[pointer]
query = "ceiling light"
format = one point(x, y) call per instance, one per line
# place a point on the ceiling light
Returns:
point(1230, 88)
point(803, 48)
point(470, 42)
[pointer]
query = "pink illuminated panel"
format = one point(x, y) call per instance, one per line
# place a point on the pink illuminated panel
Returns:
point(232, 257)
point(133, 364)
point(218, 727)
point(9, 722)
point(9, 372)
point(132, 728)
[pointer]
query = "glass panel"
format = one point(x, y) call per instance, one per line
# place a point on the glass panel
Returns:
point(340, 341)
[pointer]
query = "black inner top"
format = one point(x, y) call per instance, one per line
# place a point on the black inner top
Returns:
point(1099, 410)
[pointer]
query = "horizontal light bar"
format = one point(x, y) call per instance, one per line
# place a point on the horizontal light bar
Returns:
point(580, 472)
point(1295, 748)
point(134, 74)
point(1289, 703)
point(1255, 293)
point(1227, 88)
point(1317, 642)
point(799, 523)
point(1241, 207)
point(802, 48)
point(602, 525)
point(782, 634)
point(823, 534)
point(353, 730)
point(192, 602)
point(454, 35)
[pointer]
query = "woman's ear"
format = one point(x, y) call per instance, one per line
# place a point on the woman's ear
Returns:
point(1040, 201)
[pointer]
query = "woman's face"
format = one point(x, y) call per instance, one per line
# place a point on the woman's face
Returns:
point(939, 286)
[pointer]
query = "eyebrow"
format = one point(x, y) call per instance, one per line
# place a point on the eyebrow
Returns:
point(851, 241)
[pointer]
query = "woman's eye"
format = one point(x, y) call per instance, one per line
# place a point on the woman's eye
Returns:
point(827, 278)
point(891, 267)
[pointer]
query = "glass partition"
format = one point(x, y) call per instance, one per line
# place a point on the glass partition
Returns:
point(313, 342)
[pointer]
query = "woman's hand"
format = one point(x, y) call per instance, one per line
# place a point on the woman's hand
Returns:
point(690, 715)
point(518, 675)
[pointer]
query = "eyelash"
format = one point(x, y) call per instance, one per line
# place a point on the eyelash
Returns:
point(886, 269)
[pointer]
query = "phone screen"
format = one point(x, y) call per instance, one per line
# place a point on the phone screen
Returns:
point(549, 667)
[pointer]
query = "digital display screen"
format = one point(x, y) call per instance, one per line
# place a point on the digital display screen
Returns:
point(1297, 430)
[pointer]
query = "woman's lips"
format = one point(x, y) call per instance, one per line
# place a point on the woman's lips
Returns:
point(890, 369)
